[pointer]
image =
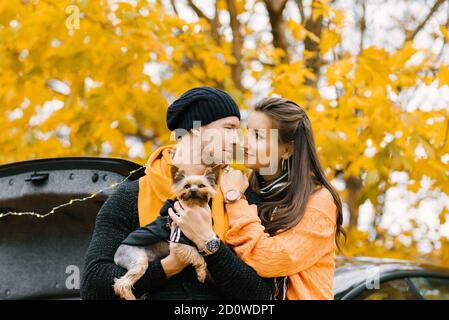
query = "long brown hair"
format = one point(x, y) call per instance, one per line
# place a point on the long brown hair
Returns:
point(306, 173)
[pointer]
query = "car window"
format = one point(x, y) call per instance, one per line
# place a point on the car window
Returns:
point(432, 288)
point(391, 290)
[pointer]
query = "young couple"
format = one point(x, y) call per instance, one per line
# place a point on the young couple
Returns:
point(272, 236)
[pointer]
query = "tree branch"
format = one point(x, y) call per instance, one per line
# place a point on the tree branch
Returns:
point(443, 45)
point(362, 25)
point(214, 23)
point(435, 7)
point(174, 7)
point(197, 10)
point(301, 11)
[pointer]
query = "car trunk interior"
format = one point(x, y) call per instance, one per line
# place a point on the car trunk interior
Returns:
point(44, 257)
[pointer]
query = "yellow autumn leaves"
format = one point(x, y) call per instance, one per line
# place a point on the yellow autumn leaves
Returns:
point(117, 72)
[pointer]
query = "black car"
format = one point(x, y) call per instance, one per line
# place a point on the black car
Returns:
point(42, 257)
point(364, 278)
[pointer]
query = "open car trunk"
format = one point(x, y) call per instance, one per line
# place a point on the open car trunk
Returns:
point(44, 257)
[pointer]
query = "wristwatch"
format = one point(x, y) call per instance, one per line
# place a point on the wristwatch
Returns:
point(212, 245)
point(232, 196)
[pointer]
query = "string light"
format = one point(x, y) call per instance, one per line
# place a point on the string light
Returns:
point(37, 215)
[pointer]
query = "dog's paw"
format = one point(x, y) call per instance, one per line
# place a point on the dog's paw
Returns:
point(123, 289)
point(201, 275)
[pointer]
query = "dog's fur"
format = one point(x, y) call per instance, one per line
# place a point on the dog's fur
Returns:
point(195, 189)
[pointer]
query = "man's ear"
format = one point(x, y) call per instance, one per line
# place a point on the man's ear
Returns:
point(195, 132)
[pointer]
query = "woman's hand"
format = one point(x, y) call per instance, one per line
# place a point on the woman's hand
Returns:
point(172, 264)
point(195, 223)
point(232, 179)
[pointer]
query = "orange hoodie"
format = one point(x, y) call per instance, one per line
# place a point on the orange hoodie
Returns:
point(304, 253)
point(155, 188)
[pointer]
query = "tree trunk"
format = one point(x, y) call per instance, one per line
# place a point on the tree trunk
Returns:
point(353, 185)
point(313, 63)
point(275, 10)
point(237, 45)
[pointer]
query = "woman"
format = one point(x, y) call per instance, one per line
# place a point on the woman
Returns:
point(293, 234)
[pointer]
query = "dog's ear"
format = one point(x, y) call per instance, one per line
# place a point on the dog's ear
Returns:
point(212, 174)
point(176, 174)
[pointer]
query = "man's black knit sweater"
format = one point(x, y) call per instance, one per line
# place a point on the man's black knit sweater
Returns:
point(117, 218)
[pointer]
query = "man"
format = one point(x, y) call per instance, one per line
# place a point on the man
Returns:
point(138, 203)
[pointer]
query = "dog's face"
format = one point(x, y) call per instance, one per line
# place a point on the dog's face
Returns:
point(194, 190)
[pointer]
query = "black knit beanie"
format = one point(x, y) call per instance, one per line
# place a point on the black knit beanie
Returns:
point(203, 104)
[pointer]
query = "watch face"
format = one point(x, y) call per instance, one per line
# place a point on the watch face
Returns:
point(213, 245)
point(232, 195)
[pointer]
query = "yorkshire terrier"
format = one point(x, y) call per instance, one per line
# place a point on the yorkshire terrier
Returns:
point(152, 241)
